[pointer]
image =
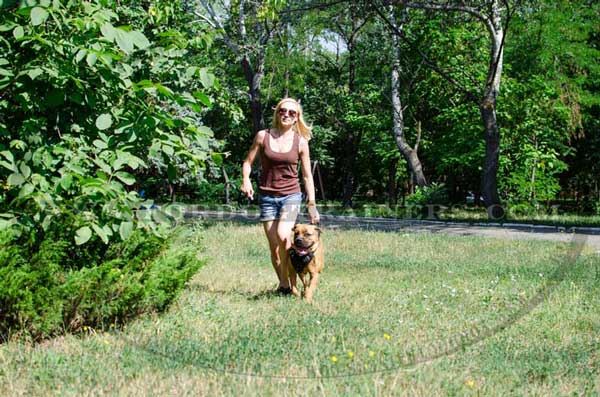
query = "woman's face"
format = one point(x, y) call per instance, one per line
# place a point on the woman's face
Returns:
point(288, 113)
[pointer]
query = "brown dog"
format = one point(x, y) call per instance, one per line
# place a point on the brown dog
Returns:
point(305, 257)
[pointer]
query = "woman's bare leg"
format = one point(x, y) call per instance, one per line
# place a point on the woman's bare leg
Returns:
point(270, 228)
point(278, 233)
point(286, 222)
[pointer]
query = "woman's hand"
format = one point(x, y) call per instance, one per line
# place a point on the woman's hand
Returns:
point(247, 189)
point(313, 214)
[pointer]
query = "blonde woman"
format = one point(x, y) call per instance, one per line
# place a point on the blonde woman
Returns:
point(280, 198)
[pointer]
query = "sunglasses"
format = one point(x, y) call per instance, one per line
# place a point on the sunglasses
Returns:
point(291, 112)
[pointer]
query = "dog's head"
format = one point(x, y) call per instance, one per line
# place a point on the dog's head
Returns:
point(305, 236)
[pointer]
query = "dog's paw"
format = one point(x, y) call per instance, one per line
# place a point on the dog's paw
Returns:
point(296, 292)
point(308, 296)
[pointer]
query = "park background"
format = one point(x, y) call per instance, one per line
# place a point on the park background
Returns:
point(112, 110)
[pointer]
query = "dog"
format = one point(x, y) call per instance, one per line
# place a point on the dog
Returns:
point(305, 257)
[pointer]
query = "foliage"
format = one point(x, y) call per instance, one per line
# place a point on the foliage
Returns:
point(92, 94)
point(51, 287)
point(548, 109)
point(214, 192)
point(435, 193)
point(556, 64)
point(534, 145)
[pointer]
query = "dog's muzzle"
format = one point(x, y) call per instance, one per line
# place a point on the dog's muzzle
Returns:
point(300, 261)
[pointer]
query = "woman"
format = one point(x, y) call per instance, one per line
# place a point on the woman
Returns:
point(280, 147)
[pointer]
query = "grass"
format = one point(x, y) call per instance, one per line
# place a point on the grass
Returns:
point(386, 302)
point(470, 214)
point(526, 216)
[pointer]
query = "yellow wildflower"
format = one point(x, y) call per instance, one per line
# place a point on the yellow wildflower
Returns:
point(470, 383)
point(334, 359)
point(386, 336)
point(350, 354)
point(371, 353)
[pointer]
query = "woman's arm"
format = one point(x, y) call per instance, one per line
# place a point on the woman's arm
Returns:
point(246, 187)
point(309, 184)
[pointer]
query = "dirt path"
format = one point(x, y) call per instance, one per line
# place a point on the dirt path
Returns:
point(507, 230)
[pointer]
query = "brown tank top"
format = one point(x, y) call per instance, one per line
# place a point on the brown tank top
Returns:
point(279, 174)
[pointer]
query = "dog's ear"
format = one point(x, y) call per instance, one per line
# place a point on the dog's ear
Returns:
point(318, 229)
point(294, 228)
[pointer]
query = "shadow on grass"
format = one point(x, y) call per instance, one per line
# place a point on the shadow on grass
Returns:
point(250, 295)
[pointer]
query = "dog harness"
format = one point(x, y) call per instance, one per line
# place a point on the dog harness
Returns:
point(300, 261)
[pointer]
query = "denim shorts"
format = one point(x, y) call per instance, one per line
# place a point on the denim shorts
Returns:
point(273, 207)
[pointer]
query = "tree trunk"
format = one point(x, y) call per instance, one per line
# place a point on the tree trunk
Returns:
point(487, 108)
point(288, 31)
point(533, 193)
point(489, 183)
point(352, 139)
point(350, 153)
point(254, 79)
point(253, 76)
point(286, 93)
point(392, 185)
point(227, 186)
point(408, 152)
point(351, 65)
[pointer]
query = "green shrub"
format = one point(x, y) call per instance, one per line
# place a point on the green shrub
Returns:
point(432, 194)
point(95, 97)
point(28, 294)
point(597, 208)
point(60, 287)
point(211, 192)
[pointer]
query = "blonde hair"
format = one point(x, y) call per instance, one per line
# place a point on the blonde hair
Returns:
point(300, 126)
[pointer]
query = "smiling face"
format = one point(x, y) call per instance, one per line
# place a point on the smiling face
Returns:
point(305, 236)
point(287, 113)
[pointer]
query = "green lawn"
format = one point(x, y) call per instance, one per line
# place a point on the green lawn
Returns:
point(394, 314)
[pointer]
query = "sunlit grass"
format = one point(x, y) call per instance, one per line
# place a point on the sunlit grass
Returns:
point(388, 304)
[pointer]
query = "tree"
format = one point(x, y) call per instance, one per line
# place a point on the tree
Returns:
point(248, 38)
point(557, 70)
point(489, 13)
point(348, 23)
point(409, 153)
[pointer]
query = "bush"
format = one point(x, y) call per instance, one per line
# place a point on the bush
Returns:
point(432, 194)
point(95, 97)
point(54, 286)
